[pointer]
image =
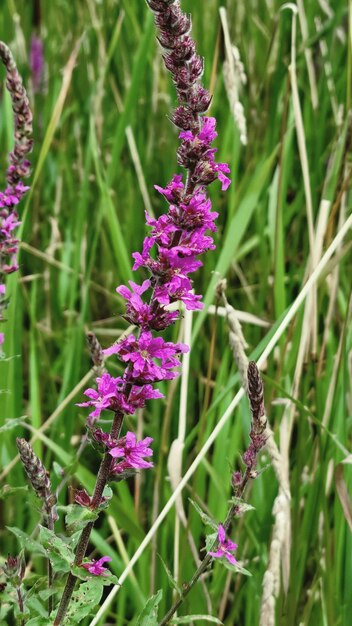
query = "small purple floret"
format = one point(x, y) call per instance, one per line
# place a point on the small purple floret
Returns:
point(226, 546)
point(96, 567)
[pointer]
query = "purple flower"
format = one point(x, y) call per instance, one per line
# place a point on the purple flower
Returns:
point(194, 214)
point(163, 229)
point(2, 338)
point(178, 288)
point(138, 312)
point(96, 567)
point(114, 394)
point(18, 169)
point(173, 192)
point(142, 314)
point(133, 452)
point(141, 353)
point(103, 398)
point(226, 546)
point(8, 224)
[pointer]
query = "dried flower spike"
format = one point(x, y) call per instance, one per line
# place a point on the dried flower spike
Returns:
point(37, 474)
point(257, 433)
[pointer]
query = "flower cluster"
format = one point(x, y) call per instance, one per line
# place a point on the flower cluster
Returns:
point(19, 168)
point(127, 448)
point(171, 249)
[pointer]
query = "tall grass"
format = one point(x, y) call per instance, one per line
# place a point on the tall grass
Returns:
point(101, 132)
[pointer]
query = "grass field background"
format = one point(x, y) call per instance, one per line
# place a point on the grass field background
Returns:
point(102, 140)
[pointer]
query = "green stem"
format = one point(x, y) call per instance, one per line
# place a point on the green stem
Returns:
point(102, 480)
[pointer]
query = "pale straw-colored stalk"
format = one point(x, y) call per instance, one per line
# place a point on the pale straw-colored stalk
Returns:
point(308, 54)
point(235, 77)
point(312, 280)
point(174, 462)
point(324, 51)
point(302, 149)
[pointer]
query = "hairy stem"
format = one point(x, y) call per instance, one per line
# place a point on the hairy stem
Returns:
point(101, 482)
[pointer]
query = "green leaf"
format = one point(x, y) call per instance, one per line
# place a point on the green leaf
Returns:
point(26, 542)
point(37, 621)
point(243, 506)
point(7, 491)
point(84, 599)
point(35, 606)
point(186, 619)
point(13, 423)
point(172, 581)
point(210, 540)
point(237, 569)
point(60, 554)
point(77, 517)
point(149, 615)
point(107, 494)
point(208, 521)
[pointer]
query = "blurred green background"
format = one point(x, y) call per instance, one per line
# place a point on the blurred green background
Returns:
point(102, 140)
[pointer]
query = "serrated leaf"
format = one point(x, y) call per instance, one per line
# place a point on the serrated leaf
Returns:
point(26, 542)
point(77, 517)
point(206, 519)
point(186, 619)
point(149, 615)
point(60, 554)
point(84, 599)
point(172, 581)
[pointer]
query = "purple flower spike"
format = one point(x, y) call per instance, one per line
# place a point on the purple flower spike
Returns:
point(170, 250)
point(225, 548)
point(96, 567)
point(104, 398)
point(18, 169)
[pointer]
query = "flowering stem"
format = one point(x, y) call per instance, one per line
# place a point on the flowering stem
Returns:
point(101, 482)
point(258, 439)
point(186, 588)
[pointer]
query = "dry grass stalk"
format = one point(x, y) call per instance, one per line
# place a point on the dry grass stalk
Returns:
point(235, 77)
